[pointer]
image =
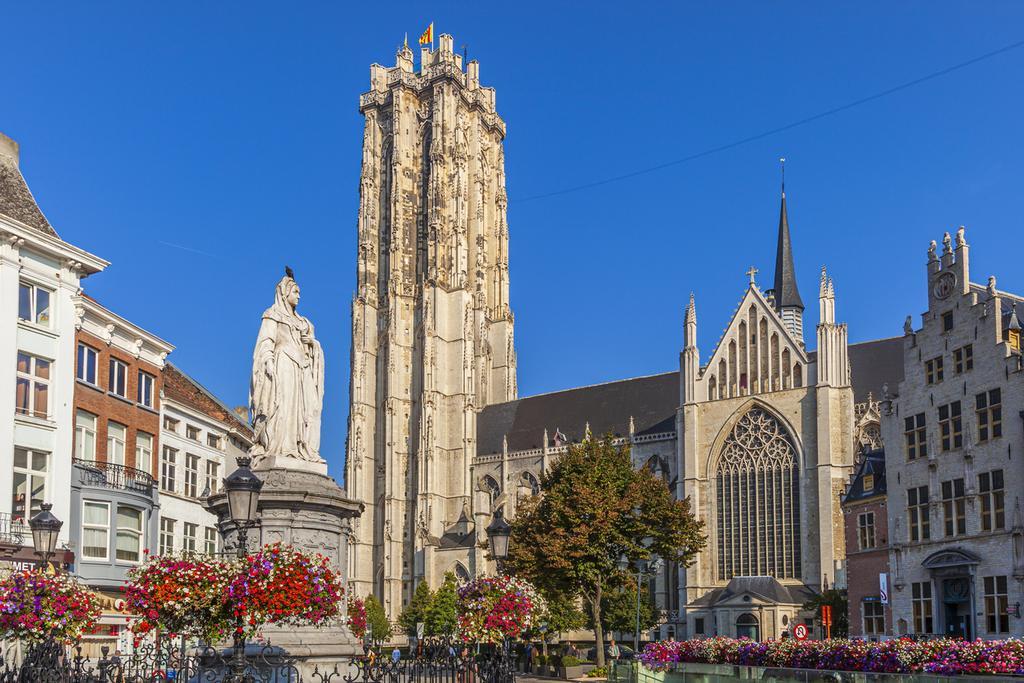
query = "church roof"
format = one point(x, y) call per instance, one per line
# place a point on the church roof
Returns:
point(785, 291)
point(651, 401)
point(872, 364)
point(16, 200)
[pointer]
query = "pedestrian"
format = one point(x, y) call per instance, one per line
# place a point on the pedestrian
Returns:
point(396, 655)
point(531, 657)
point(614, 651)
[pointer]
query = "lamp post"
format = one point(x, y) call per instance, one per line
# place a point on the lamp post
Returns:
point(498, 532)
point(649, 567)
point(243, 492)
point(45, 529)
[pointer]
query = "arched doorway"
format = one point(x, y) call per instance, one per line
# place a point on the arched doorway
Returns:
point(747, 626)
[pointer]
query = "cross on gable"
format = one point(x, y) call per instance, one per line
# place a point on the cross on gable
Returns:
point(752, 272)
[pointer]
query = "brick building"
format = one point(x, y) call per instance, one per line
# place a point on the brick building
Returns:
point(867, 549)
point(118, 385)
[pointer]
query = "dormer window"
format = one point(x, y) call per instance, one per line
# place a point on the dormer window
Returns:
point(868, 482)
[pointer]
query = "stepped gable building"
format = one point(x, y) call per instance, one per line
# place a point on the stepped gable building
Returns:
point(762, 434)
point(431, 321)
point(953, 434)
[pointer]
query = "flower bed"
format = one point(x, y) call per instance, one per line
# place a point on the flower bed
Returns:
point(942, 656)
point(492, 609)
point(35, 606)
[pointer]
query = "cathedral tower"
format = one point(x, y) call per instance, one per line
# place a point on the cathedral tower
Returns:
point(432, 329)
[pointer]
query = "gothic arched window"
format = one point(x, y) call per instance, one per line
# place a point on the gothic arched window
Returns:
point(493, 490)
point(530, 482)
point(757, 486)
point(461, 573)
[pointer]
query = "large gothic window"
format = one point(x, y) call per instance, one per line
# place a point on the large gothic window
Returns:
point(757, 486)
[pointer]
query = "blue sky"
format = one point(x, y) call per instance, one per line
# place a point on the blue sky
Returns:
point(202, 146)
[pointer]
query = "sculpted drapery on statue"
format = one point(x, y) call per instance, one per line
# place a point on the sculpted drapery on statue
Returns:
point(287, 389)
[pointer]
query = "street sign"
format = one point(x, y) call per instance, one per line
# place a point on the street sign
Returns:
point(800, 632)
point(419, 630)
point(883, 588)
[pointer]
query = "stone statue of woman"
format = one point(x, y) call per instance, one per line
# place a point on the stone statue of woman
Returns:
point(287, 389)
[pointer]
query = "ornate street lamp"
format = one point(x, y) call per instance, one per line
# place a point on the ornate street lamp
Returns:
point(243, 492)
point(498, 532)
point(45, 529)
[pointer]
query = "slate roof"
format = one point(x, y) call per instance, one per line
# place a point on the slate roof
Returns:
point(16, 200)
point(872, 364)
point(652, 401)
point(766, 588)
point(179, 386)
point(873, 464)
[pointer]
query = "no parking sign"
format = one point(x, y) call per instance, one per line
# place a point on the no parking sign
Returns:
point(800, 631)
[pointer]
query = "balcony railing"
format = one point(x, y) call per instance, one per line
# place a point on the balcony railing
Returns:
point(113, 476)
point(13, 531)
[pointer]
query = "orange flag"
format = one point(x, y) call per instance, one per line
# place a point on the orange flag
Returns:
point(428, 36)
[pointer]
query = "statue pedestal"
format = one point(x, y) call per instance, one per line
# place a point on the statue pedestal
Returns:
point(308, 510)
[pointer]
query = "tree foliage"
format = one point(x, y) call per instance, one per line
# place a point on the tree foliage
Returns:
point(416, 611)
point(377, 619)
point(595, 508)
point(840, 610)
point(618, 610)
point(442, 616)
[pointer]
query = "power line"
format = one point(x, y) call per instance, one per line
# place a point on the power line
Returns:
point(779, 129)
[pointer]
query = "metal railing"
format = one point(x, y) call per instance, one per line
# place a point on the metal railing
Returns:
point(13, 531)
point(114, 476)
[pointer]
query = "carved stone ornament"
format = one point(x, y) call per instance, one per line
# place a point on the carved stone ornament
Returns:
point(944, 285)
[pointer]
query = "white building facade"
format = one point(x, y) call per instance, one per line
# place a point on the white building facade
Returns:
point(39, 278)
point(200, 439)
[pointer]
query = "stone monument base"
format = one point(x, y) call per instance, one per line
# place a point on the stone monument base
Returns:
point(308, 510)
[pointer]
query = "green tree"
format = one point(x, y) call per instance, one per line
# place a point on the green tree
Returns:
point(561, 614)
point(596, 507)
point(618, 609)
point(442, 617)
point(416, 610)
point(836, 599)
point(377, 620)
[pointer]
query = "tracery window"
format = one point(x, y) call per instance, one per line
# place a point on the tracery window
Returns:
point(492, 488)
point(758, 500)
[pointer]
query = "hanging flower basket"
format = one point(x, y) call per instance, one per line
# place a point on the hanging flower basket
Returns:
point(357, 616)
point(493, 609)
point(281, 585)
point(182, 594)
point(35, 606)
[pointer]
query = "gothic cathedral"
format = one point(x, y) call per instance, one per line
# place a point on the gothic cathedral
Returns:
point(762, 436)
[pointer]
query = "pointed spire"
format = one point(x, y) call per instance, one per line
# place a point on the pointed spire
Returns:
point(786, 294)
point(691, 310)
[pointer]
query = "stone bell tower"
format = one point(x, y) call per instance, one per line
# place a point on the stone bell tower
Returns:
point(431, 324)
